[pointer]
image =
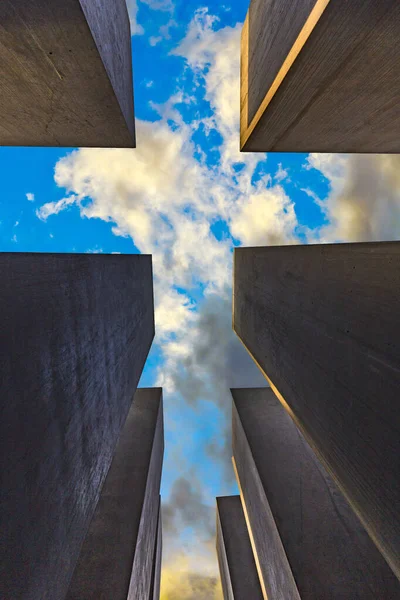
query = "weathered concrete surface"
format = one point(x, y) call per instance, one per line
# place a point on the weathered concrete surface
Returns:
point(140, 583)
point(275, 573)
point(75, 333)
point(271, 36)
point(323, 324)
point(320, 76)
point(329, 552)
point(66, 72)
point(223, 564)
point(235, 557)
point(120, 548)
point(157, 561)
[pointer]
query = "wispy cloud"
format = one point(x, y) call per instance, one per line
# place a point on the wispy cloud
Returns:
point(158, 5)
point(132, 6)
point(53, 208)
point(281, 173)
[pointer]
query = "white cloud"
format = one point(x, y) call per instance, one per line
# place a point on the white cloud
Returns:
point(195, 45)
point(53, 208)
point(30, 197)
point(364, 199)
point(165, 29)
point(332, 166)
point(265, 218)
point(313, 195)
point(132, 6)
point(214, 55)
point(281, 173)
point(14, 238)
point(155, 39)
point(164, 33)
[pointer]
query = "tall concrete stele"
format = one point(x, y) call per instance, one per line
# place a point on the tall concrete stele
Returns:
point(323, 324)
point(66, 74)
point(121, 555)
point(307, 541)
point(320, 76)
point(239, 577)
point(80, 463)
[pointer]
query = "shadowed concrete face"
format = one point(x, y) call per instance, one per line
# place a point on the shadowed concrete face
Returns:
point(235, 557)
point(76, 330)
point(156, 574)
point(66, 70)
point(296, 511)
point(320, 76)
point(118, 558)
point(323, 324)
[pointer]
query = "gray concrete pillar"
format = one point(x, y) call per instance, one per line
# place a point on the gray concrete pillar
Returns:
point(237, 567)
point(66, 73)
point(320, 76)
point(308, 542)
point(75, 333)
point(118, 559)
point(157, 561)
point(323, 323)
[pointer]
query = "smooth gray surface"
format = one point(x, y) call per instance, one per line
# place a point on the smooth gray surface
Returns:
point(66, 73)
point(330, 554)
point(75, 333)
point(235, 556)
point(323, 322)
point(126, 517)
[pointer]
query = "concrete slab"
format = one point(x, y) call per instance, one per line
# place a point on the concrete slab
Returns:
point(76, 330)
point(157, 561)
point(323, 324)
point(300, 522)
point(320, 76)
point(235, 557)
point(120, 550)
point(66, 69)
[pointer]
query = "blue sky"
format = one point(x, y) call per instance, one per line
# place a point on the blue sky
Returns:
point(187, 196)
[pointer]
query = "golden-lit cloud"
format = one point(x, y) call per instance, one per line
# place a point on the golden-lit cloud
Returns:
point(179, 582)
